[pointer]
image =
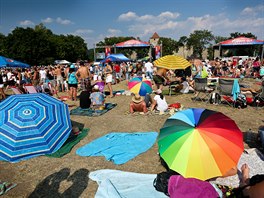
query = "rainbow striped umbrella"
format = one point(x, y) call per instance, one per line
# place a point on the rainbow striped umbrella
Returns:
point(200, 143)
point(140, 85)
point(172, 62)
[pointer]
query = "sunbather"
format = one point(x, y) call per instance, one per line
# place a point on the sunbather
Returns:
point(138, 104)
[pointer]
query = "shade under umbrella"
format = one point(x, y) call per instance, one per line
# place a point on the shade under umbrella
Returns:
point(172, 62)
point(140, 85)
point(32, 125)
point(200, 143)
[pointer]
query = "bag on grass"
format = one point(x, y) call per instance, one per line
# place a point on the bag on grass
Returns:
point(161, 182)
point(241, 101)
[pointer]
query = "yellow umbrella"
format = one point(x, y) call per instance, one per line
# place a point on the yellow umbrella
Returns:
point(172, 62)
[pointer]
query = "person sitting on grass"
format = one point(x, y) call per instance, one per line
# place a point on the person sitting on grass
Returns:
point(97, 98)
point(183, 86)
point(159, 102)
point(138, 104)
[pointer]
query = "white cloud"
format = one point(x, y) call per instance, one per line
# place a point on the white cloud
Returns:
point(47, 20)
point(127, 16)
point(169, 15)
point(63, 21)
point(168, 24)
point(83, 31)
point(26, 23)
point(259, 9)
point(114, 32)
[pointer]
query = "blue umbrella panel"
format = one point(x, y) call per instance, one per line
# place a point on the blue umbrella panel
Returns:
point(32, 125)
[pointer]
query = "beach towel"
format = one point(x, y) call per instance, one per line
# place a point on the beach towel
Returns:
point(255, 160)
point(91, 112)
point(119, 184)
point(119, 147)
point(69, 144)
point(6, 186)
point(180, 187)
point(235, 89)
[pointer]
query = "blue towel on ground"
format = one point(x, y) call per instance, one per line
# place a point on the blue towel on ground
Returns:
point(118, 184)
point(235, 89)
point(119, 147)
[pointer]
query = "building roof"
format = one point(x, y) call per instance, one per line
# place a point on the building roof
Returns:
point(155, 35)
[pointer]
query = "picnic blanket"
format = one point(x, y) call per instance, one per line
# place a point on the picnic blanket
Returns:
point(119, 147)
point(6, 186)
point(69, 144)
point(91, 112)
point(255, 160)
point(118, 184)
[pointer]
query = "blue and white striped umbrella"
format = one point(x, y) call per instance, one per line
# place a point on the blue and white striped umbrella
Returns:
point(32, 125)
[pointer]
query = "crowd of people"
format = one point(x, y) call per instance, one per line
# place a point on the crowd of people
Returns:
point(81, 76)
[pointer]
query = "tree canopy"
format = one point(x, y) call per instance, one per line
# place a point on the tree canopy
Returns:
point(37, 46)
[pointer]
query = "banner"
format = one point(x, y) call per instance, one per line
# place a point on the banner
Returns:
point(157, 51)
point(107, 51)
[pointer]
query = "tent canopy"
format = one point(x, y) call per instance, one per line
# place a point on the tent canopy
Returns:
point(133, 43)
point(241, 41)
point(8, 62)
point(115, 58)
point(62, 62)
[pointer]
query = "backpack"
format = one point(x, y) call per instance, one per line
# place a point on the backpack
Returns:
point(215, 98)
point(161, 182)
point(241, 101)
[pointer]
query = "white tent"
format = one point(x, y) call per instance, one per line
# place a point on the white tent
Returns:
point(62, 62)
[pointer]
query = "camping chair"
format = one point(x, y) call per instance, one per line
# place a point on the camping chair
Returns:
point(172, 86)
point(225, 90)
point(16, 90)
point(201, 87)
point(30, 88)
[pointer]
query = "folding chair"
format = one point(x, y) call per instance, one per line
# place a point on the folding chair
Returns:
point(16, 90)
point(172, 86)
point(226, 91)
point(201, 87)
point(30, 88)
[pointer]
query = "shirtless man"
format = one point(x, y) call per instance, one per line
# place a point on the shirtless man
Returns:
point(60, 81)
point(161, 77)
point(83, 75)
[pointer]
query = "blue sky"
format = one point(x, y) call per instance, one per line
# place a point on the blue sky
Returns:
point(94, 20)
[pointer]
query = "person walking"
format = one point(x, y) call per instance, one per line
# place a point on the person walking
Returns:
point(109, 78)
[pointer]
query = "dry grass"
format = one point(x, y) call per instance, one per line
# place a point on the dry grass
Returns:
point(68, 176)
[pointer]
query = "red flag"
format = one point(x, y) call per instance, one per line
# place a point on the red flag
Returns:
point(107, 51)
point(157, 51)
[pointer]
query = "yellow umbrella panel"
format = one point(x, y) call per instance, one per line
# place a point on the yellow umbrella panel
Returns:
point(172, 62)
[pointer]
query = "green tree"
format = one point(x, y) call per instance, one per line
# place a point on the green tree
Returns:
point(168, 46)
point(2, 44)
point(199, 40)
point(237, 34)
point(219, 39)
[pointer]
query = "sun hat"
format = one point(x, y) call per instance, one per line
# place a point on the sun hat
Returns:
point(137, 98)
point(72, 67)
point(96, 87)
